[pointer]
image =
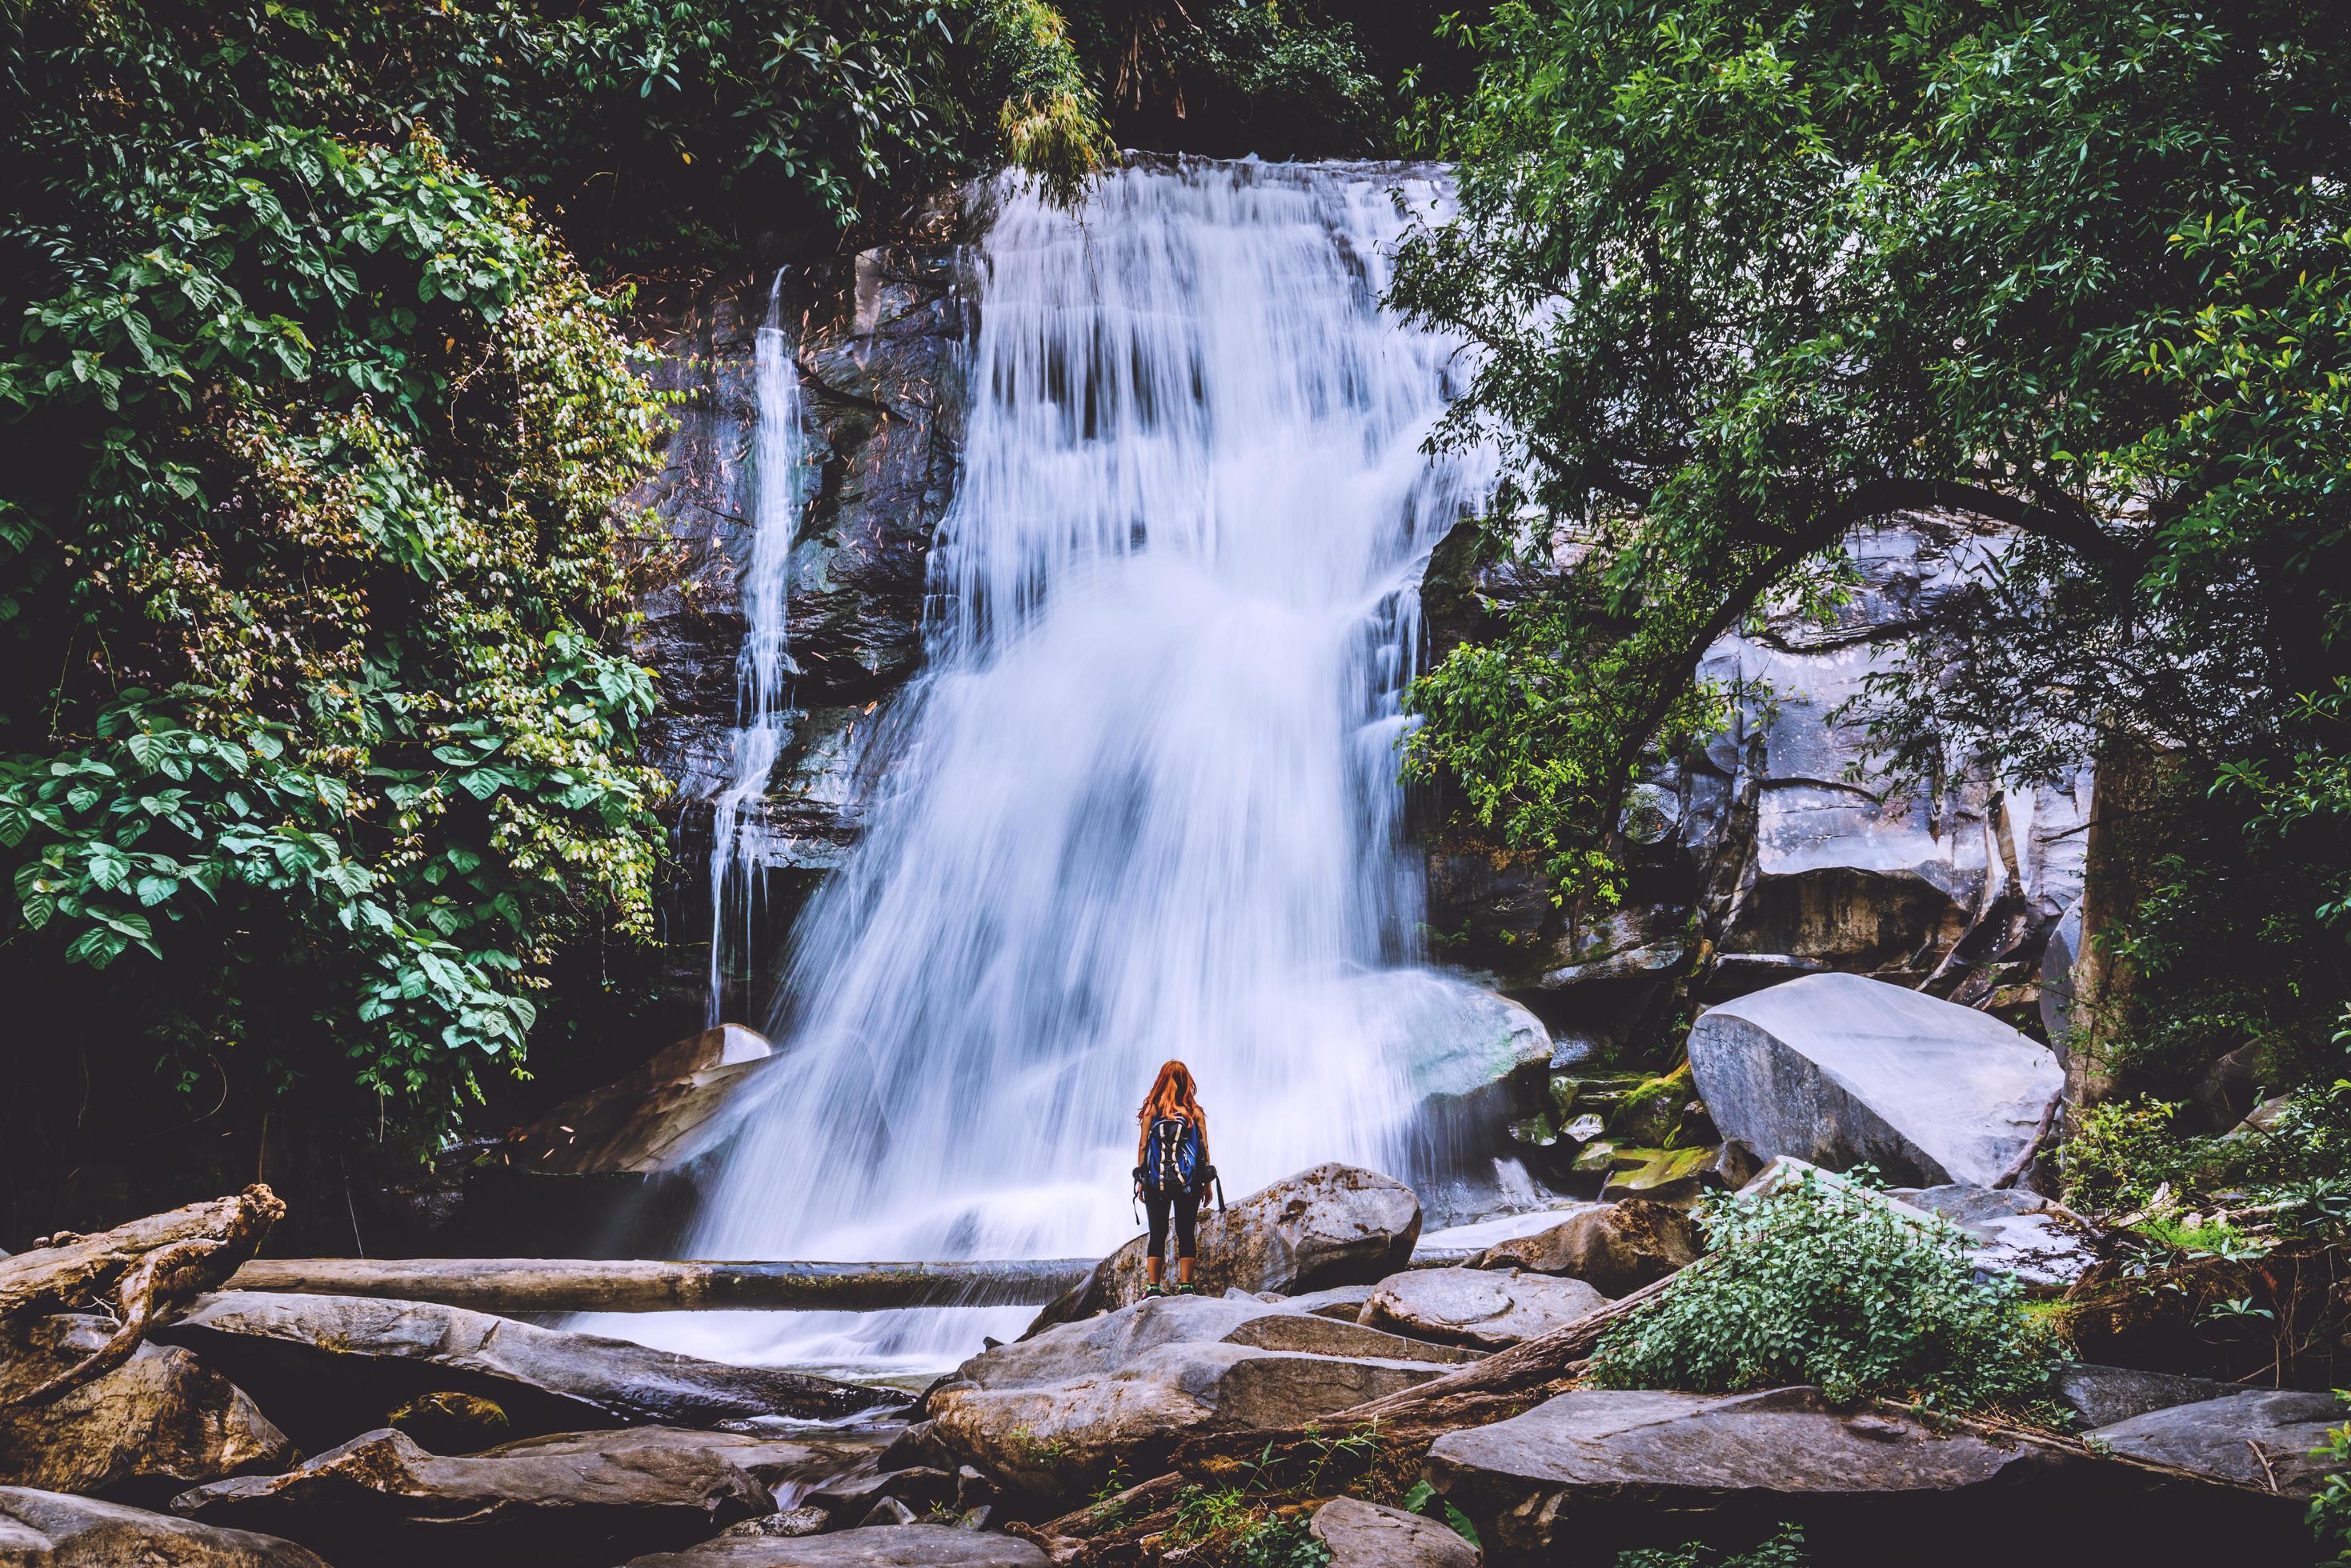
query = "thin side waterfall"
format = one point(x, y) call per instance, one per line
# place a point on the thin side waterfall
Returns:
point(1142, 802)
point(762, 670)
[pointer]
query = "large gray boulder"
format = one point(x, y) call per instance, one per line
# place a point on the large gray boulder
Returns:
point(156, 1424)
point(1050, 1416)
point(328, 1365)
point(1330, 1225)
point(1593, 1471)
point(380, 1497)
point(2260, 1438)
point(883, 1546)
point(1366, 1535)
point(1488, 1309)
point(1615, 1248)
point(51, 1530)
point(1837, 1069)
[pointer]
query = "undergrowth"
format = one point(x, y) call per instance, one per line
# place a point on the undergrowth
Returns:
point(1818, 1283)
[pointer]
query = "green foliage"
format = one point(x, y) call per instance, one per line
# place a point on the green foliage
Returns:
point(2330, 1506)
point(337, 662)
point(1815, 1283)
point(2115, 1155)
point(1741, 278)
point(2294, 1173)
point(1784, 1550)
point(313, 549)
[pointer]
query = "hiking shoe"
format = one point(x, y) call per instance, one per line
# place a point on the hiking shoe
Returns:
point(1150, 1291)
point(1188, 1289)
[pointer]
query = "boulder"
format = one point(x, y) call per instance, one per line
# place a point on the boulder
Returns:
point(886, 1546)
point(791, 1467)
point(50, 1530)
point(1343, 1301)
point(1486, 1308)
point(2013, 1232)
point(154, 1425)
point(2257, 1437)
point(1331, 1225)
point(328, 1365)
point(652, 1119)
point(2103, 1396)
point(1594, 1471)
point(1052, 1413)
point(792, 1521)
point(595, 1496)
point(1615, 1248)
point(1366, 1535)
point(1837, 1069)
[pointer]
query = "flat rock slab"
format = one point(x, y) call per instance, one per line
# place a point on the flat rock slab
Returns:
point(50, 1530)
point(1593, 1471)
point(1049, 1415)
point(155, 1425)
point(1366, 1535)
point(1488, 1309)
point(325, 1367)
point(2258, 1438)
point(882, 1546)
point(1837, 1069)
point(2104, 1396)
point(1615, 1248)
point(1330, 1225)
point(380, 1497)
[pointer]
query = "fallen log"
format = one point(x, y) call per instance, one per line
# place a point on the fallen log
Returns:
point(143, 1272)
point(510, 1285)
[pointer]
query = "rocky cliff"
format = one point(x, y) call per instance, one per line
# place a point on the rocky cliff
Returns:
point(1770, 852)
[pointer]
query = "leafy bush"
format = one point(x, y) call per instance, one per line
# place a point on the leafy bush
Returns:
point(2330, 1506)
point(2115, 1155)
point(1815, 1282)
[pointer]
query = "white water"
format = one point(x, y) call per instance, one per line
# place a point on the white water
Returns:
point(761, 671)
point(1143, 804)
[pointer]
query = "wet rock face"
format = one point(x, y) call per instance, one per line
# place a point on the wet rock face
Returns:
point(1759, 849)
point(879, 340)
point(882, 1546)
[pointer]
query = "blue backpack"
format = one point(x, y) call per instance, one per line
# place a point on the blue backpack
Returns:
point(1171, 1157)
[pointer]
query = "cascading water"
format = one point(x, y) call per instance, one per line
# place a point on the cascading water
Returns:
point(1144, 803)
point(761, 669)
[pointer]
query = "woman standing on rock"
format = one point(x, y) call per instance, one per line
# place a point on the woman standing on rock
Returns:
point(1171, 1173)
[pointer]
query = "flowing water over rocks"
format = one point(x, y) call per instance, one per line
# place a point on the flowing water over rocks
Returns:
point(1142, 803)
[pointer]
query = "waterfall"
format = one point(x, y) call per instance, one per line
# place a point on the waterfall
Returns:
point(1142, 801)
point(761, 669)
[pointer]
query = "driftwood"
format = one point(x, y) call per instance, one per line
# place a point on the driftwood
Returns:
point(510, 1285)
point(143, 1272)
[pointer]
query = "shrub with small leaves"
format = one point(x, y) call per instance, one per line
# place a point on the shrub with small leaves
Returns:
point(1818, 1283)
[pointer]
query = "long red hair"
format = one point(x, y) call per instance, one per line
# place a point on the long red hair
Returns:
point(1172, 1095)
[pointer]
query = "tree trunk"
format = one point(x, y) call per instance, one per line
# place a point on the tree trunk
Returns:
point(509, 1285)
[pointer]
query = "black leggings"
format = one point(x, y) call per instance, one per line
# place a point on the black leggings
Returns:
point(1186, 1206)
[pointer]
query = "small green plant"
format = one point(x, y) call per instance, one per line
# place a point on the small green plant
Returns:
point(2203, 1238)
point(2330, 1506)
point(2117, 1155)
point(1423, 1500)
point(1818, 1283)
point(1785, 1550)
point(1223, 1526)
